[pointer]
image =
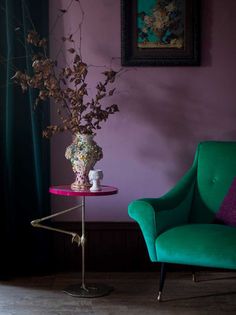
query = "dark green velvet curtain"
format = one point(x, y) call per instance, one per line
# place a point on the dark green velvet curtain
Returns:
point(24, 155)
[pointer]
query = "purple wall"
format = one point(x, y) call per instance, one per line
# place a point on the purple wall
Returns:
point(164, 111)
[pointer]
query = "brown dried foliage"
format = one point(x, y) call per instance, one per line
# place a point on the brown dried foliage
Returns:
point(68, 88)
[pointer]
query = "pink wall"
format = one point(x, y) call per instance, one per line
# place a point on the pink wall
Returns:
point(164, 111)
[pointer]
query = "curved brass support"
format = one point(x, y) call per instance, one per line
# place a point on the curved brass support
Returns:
point(75, 237)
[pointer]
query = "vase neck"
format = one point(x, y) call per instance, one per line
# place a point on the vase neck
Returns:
point(84, 137)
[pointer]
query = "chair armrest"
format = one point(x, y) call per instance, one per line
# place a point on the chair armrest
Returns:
point(155, 215)
point(154, 220)
point(143, 213)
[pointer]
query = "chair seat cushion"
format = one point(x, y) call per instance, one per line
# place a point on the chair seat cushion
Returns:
point(209, 245)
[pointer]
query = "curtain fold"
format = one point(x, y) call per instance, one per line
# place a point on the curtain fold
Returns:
point(24, 155)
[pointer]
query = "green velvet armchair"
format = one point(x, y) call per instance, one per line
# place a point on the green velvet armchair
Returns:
point(180, 227)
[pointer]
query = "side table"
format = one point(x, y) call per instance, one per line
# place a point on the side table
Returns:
point(79, 290)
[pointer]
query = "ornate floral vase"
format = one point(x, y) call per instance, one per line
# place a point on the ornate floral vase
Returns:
point(83, 154)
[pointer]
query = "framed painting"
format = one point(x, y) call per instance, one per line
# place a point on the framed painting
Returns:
point(160, 32)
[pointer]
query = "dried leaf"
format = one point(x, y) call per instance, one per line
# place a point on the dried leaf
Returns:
point(71, 50)
point(42, 42)
point(111, 92)
point(111, 74)
point(77, 59)
point(71, 38)
point(77, 112)
point(100, 96)
point(101, 87)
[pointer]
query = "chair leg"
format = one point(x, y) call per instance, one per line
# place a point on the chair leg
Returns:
point(162, 281)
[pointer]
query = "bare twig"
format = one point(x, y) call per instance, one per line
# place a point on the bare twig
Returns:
point(28, 15)
point(59, 16)
point(80, 27)
point(78, 110)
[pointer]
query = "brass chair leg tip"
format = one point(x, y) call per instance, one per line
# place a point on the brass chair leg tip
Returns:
point(159, 297)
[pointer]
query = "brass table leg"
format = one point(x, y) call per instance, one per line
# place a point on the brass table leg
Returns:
point(82, 290)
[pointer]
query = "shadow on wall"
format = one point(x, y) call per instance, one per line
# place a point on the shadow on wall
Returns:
point(180, 117)
point(206, 33)
point(174, 119)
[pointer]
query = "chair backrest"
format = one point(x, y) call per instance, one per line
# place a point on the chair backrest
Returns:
point(216, 169)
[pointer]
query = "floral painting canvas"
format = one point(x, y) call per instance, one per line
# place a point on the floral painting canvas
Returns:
point(160, 32)
point(160, 23)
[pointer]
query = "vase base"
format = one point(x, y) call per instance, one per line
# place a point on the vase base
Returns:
point(78, 187)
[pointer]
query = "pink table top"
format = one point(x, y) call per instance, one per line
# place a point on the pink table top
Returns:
point(65, 190)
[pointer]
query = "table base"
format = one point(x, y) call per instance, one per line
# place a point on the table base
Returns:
point(90, 291)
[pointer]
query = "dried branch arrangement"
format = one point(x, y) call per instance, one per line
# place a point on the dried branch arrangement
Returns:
point(67, 86)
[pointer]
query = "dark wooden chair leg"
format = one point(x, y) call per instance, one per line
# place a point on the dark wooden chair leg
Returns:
point(162, 280)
